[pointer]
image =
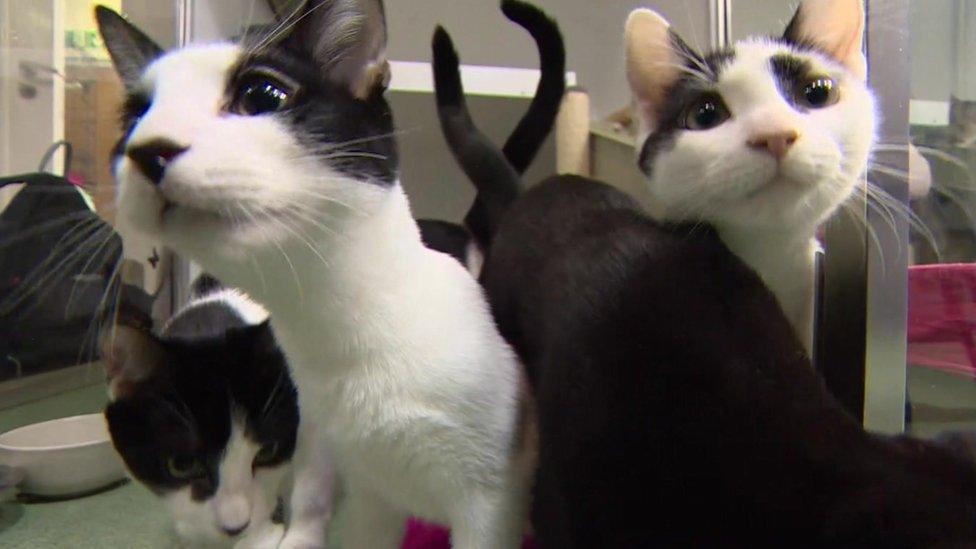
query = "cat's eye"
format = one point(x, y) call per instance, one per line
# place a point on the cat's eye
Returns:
point(184, 467)
point(261, 95)
point(706, 113)
point(266, 455)
point(818, 93)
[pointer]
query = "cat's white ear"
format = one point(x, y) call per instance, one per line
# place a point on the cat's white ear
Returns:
point(653, 63)
point(347, 38)
point(129, 355)
point(835, 27)
point(130, 49)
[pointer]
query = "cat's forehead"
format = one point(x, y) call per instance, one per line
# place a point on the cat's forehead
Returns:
point(756, 56)
point(191, 70)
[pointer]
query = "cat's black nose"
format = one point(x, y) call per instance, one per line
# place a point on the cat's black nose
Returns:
point(236, 530)
point(152, 158)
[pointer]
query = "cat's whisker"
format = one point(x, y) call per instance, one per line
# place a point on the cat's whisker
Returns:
point(45, 226)
point(274, 242)
point(304, 240)
point(929, 151)
point(369, 139)
point(114, 283)
point(116, 246)
point(354, 154)
point(41, 274)
point(274, 36)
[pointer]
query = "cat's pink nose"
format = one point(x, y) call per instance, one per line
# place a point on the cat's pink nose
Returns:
point(777, 143)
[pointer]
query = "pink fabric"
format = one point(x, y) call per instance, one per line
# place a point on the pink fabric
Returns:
point(421, 535)
point(942, 317)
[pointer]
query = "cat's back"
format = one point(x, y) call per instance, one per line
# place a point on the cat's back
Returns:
point(574, 252)
point(212, 312)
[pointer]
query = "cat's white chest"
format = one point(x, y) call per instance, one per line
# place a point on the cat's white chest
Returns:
point(788, 268)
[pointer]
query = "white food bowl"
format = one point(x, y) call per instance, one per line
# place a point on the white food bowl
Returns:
point(63, 457)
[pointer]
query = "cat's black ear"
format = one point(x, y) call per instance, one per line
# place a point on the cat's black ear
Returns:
point(347, 39)
point(129, 355)
point(131, 50)
point(655, 57)
point(835, 27)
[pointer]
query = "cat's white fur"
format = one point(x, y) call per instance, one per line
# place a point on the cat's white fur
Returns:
point(396, 357)
point(767, 211)
point(246, 497)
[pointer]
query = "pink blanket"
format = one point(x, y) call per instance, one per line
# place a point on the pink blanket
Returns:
point(421, 535)
point(942, 317)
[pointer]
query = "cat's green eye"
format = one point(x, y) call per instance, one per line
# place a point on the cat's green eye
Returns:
point(184, 467)
point(706, 113)
point(262, 95)
point(818, 93)
point(266, 455)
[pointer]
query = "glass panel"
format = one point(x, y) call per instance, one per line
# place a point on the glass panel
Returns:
point(942, 277)
point(59, 104)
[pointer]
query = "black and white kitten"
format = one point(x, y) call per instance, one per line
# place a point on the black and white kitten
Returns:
point(272, 163)
point(764, 140)
point(676, 405)
point(205, 415)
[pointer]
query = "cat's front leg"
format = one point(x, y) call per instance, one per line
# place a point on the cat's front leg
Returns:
point(310, 498)
point(369, 522)
point(491, 520)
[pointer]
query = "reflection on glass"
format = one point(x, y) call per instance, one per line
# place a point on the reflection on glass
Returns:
point(942, 277)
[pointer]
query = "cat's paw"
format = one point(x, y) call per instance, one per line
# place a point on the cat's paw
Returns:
point(268, 538)
point(302, 540)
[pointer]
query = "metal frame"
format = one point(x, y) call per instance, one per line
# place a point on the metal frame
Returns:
point(862, 344)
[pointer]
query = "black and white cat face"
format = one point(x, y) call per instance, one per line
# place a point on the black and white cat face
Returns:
point(770, 133)
point(208, 423)
point(233, 147)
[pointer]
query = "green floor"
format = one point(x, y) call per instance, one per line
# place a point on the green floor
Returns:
point(130, 517)
point(127, 516)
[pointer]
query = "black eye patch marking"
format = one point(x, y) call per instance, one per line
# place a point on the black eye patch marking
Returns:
point(696, 82)
point(800, 84)
point(354, 137)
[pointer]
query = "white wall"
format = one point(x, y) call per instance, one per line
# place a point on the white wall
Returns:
point(593, 30)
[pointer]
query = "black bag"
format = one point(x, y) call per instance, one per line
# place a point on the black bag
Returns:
point(50, 296)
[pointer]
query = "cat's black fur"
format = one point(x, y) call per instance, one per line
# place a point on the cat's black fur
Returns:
point(676, 406)
point(206, 365)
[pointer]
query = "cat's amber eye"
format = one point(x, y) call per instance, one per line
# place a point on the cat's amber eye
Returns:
point(184, 467)
point(262, 94)
point(266, 455)
point(818, 93)
point(706, 113)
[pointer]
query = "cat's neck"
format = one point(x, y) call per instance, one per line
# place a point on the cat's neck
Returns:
point(337, 287)
point(786, 261)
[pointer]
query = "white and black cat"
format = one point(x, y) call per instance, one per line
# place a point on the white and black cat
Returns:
point(273, 164)
point(205, 415)
point(677, 406)
point(764, 140)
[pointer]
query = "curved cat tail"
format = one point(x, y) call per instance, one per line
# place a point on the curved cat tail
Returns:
point(535, 126)
point(496, 181)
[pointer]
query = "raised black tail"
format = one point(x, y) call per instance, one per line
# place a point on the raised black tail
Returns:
point(495, 173)
point(537, 124)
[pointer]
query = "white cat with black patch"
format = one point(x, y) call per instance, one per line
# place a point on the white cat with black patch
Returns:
point(273, 164)
point(205, 415)
point(764, 140)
